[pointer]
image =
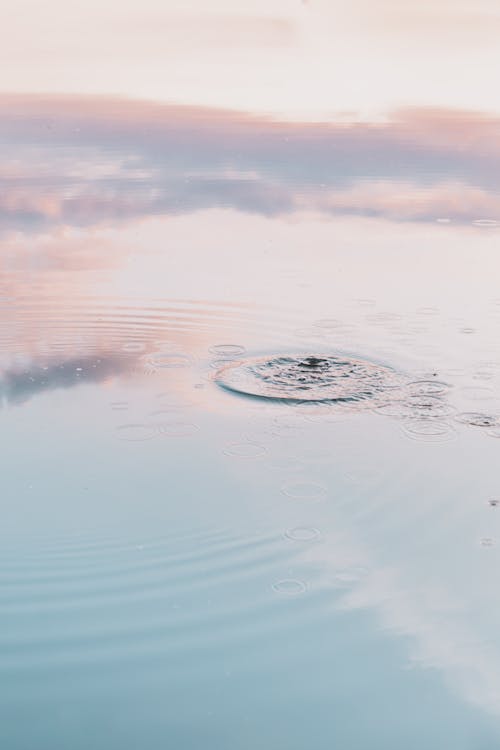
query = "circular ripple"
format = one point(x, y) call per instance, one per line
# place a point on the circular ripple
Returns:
point(303, 534)
point(245, 450)
point(416, 407)
point(477, 419)
point(227, 350)
point(136, 432)
point(334, 378)
point(289, 587)
point(428, 388)
point(304, 490)
point(428, 430)
point(166, 360)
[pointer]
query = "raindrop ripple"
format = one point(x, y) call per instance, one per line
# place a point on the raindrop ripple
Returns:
point(333, 377)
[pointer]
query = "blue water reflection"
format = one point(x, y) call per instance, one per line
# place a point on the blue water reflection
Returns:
point(183, 566)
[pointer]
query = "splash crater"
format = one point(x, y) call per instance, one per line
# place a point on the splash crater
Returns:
point(335, 378)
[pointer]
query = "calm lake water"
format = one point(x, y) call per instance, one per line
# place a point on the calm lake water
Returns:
point(250, 388)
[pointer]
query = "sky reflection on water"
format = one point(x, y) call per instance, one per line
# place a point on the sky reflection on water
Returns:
point(187, 567)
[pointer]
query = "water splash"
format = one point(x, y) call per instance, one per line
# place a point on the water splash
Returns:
point(334, 378)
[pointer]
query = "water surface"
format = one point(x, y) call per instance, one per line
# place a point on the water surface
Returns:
point(188, 566)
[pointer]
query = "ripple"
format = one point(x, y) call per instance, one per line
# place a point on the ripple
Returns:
point(334, 378)
point(416, 407)
point(289, 587)
point(169, 360)
point(429, 430)
point(227, 350)
point(304, 490)
point(428, 388)
point(303, 534)
point(477, 419)
point(245, 450)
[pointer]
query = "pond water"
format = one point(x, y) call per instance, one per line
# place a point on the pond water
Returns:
point(250, 390)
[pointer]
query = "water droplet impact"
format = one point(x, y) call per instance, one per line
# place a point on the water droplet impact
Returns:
point(304, 490)
point(428, 388)
point(477, 419)
point(169, 359)
point(303, 534)
point(245, 450)
point(494, 502)
point(334, 378)
point(227, 350)
point(429, 430)
point(416, 407)
point(289, 587)
point(136, 432)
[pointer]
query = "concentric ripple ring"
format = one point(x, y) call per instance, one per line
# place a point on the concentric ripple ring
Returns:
point(309, 377)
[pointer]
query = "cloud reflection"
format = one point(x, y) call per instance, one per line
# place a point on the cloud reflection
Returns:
point(18, 385)
point(80, 162)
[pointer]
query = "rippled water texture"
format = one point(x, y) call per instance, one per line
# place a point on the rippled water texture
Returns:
point(250, 388)
point(338, 379)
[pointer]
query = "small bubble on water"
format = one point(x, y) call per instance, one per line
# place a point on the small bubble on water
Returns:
point(289, 587)
point(303, 534)
point(494, 502)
